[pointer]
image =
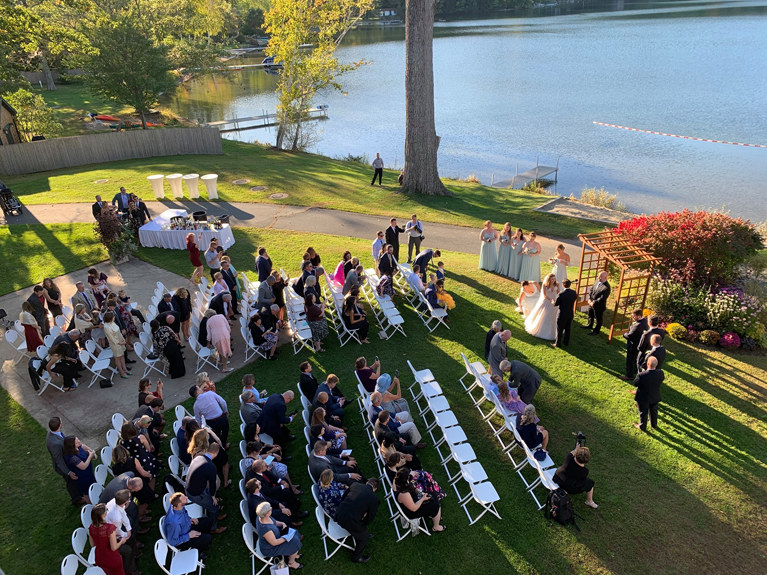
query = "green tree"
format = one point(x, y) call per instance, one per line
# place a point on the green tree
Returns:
point(129, 68)
point(295, 23)
point(34, 117)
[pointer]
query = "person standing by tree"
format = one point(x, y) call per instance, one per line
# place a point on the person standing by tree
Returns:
point(378, 166)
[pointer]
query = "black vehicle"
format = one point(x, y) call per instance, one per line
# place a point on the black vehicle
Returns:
point(10, 204)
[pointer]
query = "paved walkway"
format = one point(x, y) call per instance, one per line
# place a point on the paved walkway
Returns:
point(87, 412)
point(295, 218)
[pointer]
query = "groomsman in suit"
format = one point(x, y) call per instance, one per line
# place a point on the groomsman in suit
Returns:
point(644, 342)
point(638, 326)
point(392, 236)
point(565, 303)
point(656, 350)
point(597, 301)
point(387, 264)
point(97, 207)
point(648, 394)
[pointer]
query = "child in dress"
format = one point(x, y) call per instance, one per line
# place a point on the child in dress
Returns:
point(443, 296)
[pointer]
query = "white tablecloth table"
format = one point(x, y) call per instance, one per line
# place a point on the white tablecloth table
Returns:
point(152, 235)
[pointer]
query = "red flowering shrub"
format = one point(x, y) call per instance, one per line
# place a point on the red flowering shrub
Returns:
point(702, 248)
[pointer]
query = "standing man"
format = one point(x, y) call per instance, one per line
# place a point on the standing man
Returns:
point(387, 264)
point(54, 441)
point(523, 377)
point(375, 249)
point(565, 303)
point(648, 394)
point(355, 512)
point(597, 301)
point(392, 236)
point(83, 297)
point(39, 311)
point(143, 211)
point(656, 350)
point(644, 342)
point(121, 200)
point(414, 230)
point(378, 166)
point(201, 485)
point(494, 329)
point(117, 516)
point(263, 264)
point(637, 328)
point(498, 351)
point(97, 207)
point(213, 258)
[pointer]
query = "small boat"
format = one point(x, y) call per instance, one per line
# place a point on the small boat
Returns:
point(268, 62)
point(105, 118)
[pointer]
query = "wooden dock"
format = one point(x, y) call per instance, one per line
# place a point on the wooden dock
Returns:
point(263, 121)
point(539, 172)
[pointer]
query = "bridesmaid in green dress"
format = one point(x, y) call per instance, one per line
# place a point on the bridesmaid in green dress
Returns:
point(505, 253)
point(531, 261)
point(487, 256)
point(517, 243)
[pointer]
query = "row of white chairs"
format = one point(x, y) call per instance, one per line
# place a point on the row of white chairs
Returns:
point(431, 317)
point(334, 305)
point(452, 446)
point(383, 306)
point(492, 410)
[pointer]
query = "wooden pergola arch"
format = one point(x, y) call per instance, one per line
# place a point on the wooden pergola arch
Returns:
point(636, 265)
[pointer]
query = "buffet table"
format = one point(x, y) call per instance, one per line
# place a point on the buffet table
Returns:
point(157, 233)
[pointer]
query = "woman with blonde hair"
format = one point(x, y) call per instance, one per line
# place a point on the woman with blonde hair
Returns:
point(330, 492)
point(199, 444)
point(542, 320)
point(487, 256)
point(533, 435)
point(117, 343)
point(219, 285)
point(560, 260)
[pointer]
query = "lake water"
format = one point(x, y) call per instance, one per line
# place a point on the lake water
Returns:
point(509, 91)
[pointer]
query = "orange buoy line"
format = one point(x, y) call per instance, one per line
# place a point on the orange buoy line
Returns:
point(678, 136)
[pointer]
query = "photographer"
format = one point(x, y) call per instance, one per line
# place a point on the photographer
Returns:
point(572, 475)
point(414, 230)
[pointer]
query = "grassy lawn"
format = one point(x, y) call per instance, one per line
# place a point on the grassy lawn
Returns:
point(309, 180)
point(71, 103)
point(34, 251)
point(681, 500)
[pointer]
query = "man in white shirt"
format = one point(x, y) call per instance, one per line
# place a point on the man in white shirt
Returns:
point(116, 516)
point(414, 230)
point(414, 279)
point(378, 165)
point(378, 244)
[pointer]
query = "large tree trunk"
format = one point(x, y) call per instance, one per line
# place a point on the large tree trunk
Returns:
point(421, 141)
point(50, 84)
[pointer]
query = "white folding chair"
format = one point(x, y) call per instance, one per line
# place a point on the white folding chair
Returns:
point(85, 514)
point(18, 343)
point(176, 469)
point(45, 377)
point(69, 565)
point(118, 419)
point(181, 412)
point(101, 472)
point(251, 542)
point(113, 438)
point(94, 571)
point(106, 455)
point(474, 369)
point(331, 531)
point(61, 321)
point(94, 492)
point(181, 562)
point(49, 339)
point(150, 364)
point(79, 541)
point(244, 511)
point(96, 368)
point(204, 355)
point(485, 495)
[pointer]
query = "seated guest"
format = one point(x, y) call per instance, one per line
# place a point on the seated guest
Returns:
point(183, 532)
point(387, 424)
point(385, 286)
point(249, 408)
point(274, 419)
point(308, 384)
point(213, 408)
point(523, 377)
point(311, 288)
point(422, 479)
point(508, 396)
point(317, 433)
point(139, 447)
point(366, 375)
point(415, 281)
point(443, 297)
point(79, 458)
point(332, 434)
point(391, 393)
point(219, 285)
point(270, 543)
point(403, 421)
point(117, 516)
point(256, 498)
point(353, 279)
point(166, 342)
point(391, 443)
point(222, 304)
point(103, 538)
point(343, 471)
point(276, 488)
point(264, 339)
point(145, 393)
point(124, 462)
point(270, 318)
point(201, 479)
point(533, 435)
point(266, 297)
point(336, 404)
point(330, 492)
point(572, 475)
point(339, 275)
point(59, 362)
point(321, 401)
point(249, 384)
point(415, 504)
point(255, 450)
point(125, 299)
point(431, 296)
point(354, 318)
point(165, 303)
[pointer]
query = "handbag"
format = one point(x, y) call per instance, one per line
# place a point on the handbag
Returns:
point(279, 569)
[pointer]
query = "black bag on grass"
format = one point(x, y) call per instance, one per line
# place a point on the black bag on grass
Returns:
point(559, 507)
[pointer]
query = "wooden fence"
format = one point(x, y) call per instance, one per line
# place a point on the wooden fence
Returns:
point(73, 151)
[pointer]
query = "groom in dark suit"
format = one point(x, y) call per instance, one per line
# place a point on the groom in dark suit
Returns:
point(597, 301)
point(392, 236)
point(565, 303)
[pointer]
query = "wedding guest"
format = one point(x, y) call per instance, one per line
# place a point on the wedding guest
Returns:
point(487, 255)
point(60, 362)
point(182, 304)
point(219, 336)
point(102, 537)
point(353, 316)
point(33, 333)
point(39, 311)
point(532, 434)
point(494, 329)
point(79, 458)
point(193, 247)
point(264, 339)
point(414, 231)
point(498, 349)
point(98, 283)
point(355, 512)
point(414, 503)
point(330, 492)
point(263, 264)
point(270, 542)
point(166, 342)
point(52, 296)
point(523, 377)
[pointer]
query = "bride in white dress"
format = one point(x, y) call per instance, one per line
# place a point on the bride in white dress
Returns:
point(542, 321)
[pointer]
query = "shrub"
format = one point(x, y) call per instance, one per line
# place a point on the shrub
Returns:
point(749, 344)
point(730, 340)
point(709, 337)
point(538, 187)
point(472, 179)
point(733, 310)
point(687, 305)
point(116, 235)
point(600, 198)
point(701, 248)
point(361, 159)
point(677, 331)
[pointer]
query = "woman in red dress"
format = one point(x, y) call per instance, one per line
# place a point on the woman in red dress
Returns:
point(32, 331)
point(194, 256)
point(103, 537)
